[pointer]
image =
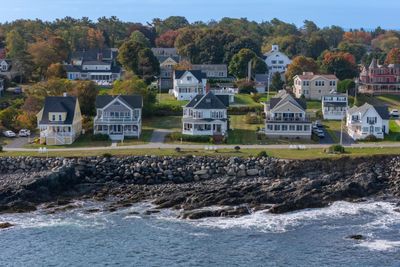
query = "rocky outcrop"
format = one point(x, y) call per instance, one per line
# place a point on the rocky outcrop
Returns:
point(236, 186)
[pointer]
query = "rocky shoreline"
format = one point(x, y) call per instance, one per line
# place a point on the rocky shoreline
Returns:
point(196, 186)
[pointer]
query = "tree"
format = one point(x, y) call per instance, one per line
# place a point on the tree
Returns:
point(95, 38)
point(346, 85)
point(310, 27)
point(114, 30)
point(138, 37)
point(86, 92)
point(183, 65)
point(43, 55)
point(356, 49)
point(316, 45)
point(185, 43)
point(148, 65)
point(170, 23)
point(291, 45)
point(56, 70)
point(128, 55)
point(32, 104)
point(51, 87)
point(342, 64)
point(393, 57)
point(16, 44)
point(239, 64)
point(276, 82)
point(136, 86)
point(234, 47)
point(8, 118)
point(333, 35)
point(246, 87)
point(361, 37)
point(299, 65)
point(167, 39)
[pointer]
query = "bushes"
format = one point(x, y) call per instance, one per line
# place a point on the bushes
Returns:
point(262, 154)
point(237, 148)
point(371, 138)
point(1, 148)
point(242, 110)
point(335, 149)
point(188, 138)
point(167, 110)
point(256, 97)
point(107, 155)
point(100, 137)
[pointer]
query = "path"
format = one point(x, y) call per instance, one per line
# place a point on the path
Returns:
point(158, 136)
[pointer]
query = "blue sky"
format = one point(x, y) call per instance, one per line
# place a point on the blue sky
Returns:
point(345, 13)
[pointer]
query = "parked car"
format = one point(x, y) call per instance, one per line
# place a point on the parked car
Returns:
point(24, 133)
point(320, 133)
point(394, 113)
point(17, 90)
point(9, 134)
point(318, 124)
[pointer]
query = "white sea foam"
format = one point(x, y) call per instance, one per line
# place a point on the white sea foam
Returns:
point(380, 245)
point(382, 212)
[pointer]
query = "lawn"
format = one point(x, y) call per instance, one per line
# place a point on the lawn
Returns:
point(82, 141)
point(332, 127)
point(167, 99)
point(278, 153)
point(242, 132)
point(392, 100)
point(245, 100)
point(314, 104)
point(144, 139)
point(394, 131)
point(163, 122)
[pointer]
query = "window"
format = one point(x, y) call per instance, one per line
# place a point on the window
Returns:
point(306, 128)
point(273, 61)
point(60, 117)
point(292, 127)
point(371, 120)
point(299, 127)
point(53, 117)
point(189, 78)
point(270, 127)
point(277, 127)
point(284, 127)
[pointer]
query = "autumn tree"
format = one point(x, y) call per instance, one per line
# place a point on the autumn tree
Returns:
point(51, 87)
point(56, 70)
point(95, 38)
point(43, 55)
point(170, 23)
point(167, 39)
point(356, 49)
point(342, 64)
point(15, 44)
point(393, 57)
point(148, 65)
point(239, 64)
point(299, 65)
point(86, 92)
point(361, 37)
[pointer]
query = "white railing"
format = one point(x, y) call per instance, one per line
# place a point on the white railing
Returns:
point(115, 119)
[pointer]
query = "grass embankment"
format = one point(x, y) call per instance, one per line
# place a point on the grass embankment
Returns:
point(278, 153)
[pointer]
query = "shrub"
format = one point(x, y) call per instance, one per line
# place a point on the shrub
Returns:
point(397, 138)
point(1, 148)
point(237, 148)
point(107, 155)
point(188, 138)
point(100, 137)
point(371, 138)
point(178, 149)
point(262, 154)
point(335, 149)
point(242, 110)
point(319, 114)
point(256, 97)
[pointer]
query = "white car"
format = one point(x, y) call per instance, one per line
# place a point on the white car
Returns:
point(394, 113)
point(24, 133)
point(9, 134)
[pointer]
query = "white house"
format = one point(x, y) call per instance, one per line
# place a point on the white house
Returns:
point(188, 84)
point(206, 115)
point(314, 86)
point(60, 120)
point(5, 65)
point(118, 116)
point(286, 117)
point(334, 106)
point(276, 61)
point(367, 120)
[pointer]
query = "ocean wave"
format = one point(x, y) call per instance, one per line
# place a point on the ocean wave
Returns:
point(380, 245)
point(383, 213)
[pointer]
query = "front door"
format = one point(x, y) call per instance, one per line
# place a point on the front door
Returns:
point(371, 129)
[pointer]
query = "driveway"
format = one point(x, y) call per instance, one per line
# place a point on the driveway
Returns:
point(18, 142)
point(159, 135)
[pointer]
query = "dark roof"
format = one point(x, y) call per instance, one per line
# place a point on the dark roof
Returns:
point(95, 62)
point(208, 101)
point(383, 112)
point(72, 68)
point(59, 104)
point(91, 54)
point(162, 58)
point(196, 73)
point(133, 101)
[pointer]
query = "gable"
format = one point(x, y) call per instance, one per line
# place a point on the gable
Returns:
point(168, 61)
point(189, 74)
point(287, 106)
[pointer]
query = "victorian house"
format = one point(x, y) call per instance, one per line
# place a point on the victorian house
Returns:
point(286, 117)
point(367, 120)
point(206, 115)
point(118, 116)
point(60, 120)
point(380, 79)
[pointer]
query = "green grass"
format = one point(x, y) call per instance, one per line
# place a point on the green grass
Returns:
point(394, 131)
point(265, 97)
point(167, 99)
point(164, 122)
point(82, 141)
point(243, 133)
point(245, 100)
point(332, 127)
point(278, 153)
point(144, 139)
point(392, 100)
point(314, 104)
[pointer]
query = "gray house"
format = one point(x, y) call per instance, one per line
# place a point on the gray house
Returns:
point(118, 116)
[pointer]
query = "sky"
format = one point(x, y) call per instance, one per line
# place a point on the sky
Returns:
point(346, 13)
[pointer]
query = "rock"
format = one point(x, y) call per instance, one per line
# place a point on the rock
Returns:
point(4, 225)
point(201, 172)
point(252, 172)
point(356, 237)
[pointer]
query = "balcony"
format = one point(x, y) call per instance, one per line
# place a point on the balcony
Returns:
point(116, 120)
point(288, 120)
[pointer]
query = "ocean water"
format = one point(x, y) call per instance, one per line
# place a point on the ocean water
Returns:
point(315, 237)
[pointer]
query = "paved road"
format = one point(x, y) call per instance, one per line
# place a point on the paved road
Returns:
point(158, 136)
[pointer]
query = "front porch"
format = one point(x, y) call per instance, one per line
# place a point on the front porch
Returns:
point(57, 135)
point(210, 129)
point(117, 132)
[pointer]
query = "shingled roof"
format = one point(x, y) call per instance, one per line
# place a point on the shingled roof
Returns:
point(196, 73)
point(208, 101)
point(132, 101)
point(59, 104)
point(382, 110)
point(284, 97)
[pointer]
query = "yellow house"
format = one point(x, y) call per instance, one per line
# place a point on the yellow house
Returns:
point(60, 120)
